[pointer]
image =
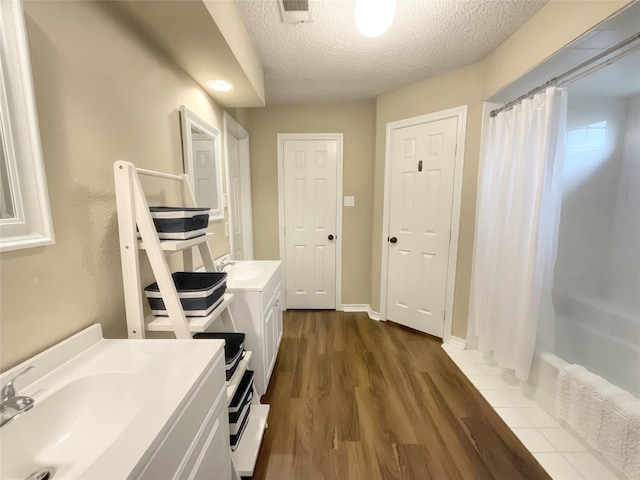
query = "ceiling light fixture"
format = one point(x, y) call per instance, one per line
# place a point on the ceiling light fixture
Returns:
point(374, 17)
point(220, 85)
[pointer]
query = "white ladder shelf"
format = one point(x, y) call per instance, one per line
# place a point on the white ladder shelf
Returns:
point(133, 217)
point(133, 211)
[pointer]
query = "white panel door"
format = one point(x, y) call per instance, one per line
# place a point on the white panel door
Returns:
point(422, 174)
point(310, 177)
point(235, 197)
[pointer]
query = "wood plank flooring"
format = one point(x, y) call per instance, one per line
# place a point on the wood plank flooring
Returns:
point(355, 399)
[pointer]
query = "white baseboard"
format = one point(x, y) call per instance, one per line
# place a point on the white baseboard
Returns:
point(456, 342)
point(355, 307)
point(361, 307)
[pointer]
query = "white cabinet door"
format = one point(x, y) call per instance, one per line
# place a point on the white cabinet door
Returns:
point(269, 333)
point(277, 321)
point(273, 332)
point(214, 460)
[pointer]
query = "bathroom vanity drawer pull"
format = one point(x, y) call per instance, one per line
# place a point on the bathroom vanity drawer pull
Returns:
point(393, 240)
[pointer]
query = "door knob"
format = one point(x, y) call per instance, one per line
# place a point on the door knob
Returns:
point(330, 237)
point(393, 240)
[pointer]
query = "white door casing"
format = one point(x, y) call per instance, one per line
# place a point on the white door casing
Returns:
point(310, 189)
point(235, 194)
point(423, 184)
point(238, 189)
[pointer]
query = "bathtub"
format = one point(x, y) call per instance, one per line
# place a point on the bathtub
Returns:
point(600, 336)
point(592, 333)
point(542, 380)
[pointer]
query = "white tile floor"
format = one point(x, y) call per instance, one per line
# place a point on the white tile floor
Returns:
point(562, 455)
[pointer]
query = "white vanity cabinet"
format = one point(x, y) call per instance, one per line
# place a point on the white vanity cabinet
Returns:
point(196, 444)
point(257, 311)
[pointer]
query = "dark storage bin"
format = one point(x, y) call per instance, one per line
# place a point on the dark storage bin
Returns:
point(233, 348)
point(244, 391)
point(239, 409)
point(180, 223)
point(199, 292)
point(234, 440)
point(234, 427)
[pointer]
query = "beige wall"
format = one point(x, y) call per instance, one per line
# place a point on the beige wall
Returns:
point(356, 122)
point(103, 93)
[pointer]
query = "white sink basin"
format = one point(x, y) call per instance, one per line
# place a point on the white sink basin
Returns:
point(71, 427)
point(243, 272)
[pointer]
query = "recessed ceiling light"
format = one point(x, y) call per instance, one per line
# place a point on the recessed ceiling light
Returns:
point(374, 17)
point(220, 85)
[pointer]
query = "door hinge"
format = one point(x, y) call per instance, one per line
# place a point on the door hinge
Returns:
point(450, 236)
point(456, 150)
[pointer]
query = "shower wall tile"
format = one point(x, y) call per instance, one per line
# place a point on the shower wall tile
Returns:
point(623, 266)
point(599, 234)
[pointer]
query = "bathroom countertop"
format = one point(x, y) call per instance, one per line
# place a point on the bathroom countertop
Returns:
point(159, 375)
point(267, 269)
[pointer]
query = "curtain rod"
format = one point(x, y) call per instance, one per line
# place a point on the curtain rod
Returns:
point(564, 75)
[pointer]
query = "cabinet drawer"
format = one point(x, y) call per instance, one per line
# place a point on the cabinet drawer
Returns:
point(175, 446)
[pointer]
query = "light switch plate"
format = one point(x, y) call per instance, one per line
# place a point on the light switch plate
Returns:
point(349, 201)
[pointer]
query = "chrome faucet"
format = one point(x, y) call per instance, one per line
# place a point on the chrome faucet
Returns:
point(224, 264)
point(13, 404)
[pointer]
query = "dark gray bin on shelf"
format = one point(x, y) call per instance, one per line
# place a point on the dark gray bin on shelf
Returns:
point(233, 348)
point(199, 292)
point(234, 440)
point(244, 391)
point(239, 409)
point(180, 223)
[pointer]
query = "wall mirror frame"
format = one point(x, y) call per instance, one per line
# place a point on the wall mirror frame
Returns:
point(203, 161)
point(25, 213)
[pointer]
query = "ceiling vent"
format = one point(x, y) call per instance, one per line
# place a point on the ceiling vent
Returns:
point(294, 11)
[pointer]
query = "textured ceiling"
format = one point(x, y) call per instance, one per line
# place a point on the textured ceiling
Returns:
point(328, 60)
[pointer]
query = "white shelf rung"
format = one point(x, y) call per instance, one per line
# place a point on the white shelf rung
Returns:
point(178, 245)
point(245, 456)
point(232, 384)
point(196, 324)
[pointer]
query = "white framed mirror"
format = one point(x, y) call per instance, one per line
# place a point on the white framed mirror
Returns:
point(202, 161)
point(25, 214)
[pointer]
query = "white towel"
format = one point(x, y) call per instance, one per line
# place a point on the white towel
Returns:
point(607, 417)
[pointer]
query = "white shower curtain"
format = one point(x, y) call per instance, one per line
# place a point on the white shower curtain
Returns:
point(517, 218)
